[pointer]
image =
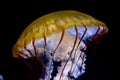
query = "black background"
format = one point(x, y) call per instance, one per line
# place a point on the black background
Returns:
point(16, 15)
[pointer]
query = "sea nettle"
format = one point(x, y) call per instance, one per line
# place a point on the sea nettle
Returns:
point(58, 43)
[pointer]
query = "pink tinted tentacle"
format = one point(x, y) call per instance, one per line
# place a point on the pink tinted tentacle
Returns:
point(85, 47)
point(100, 38)
point(27, 63)
point(33, 43)
point(71, 72)
point(78, 45)
point(29, 66)
point(82, 37)
point(31, 55)
point(96, 34)
point(80, 56)
point(28, 50)
point(21, 53)
point(45, 43)
point(32, 59)
point(62, 35)
point(102, 34)
point(60, 40)
point(21, 58)
point(70, 54)
point(93, 38)
point(36, 55)
point(104, 31)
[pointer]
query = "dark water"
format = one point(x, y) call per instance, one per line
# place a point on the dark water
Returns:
point(16, 16)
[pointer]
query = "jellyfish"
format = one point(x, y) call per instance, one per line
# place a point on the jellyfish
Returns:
point(1, 77)
point(59, 41)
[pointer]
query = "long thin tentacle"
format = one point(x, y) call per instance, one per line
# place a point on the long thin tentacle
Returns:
point(70, 54)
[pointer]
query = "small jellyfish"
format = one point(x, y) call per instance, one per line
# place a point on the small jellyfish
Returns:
point(1, 77)
point(58, 41)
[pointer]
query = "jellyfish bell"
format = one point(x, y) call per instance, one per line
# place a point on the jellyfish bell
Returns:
point(58, 41)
